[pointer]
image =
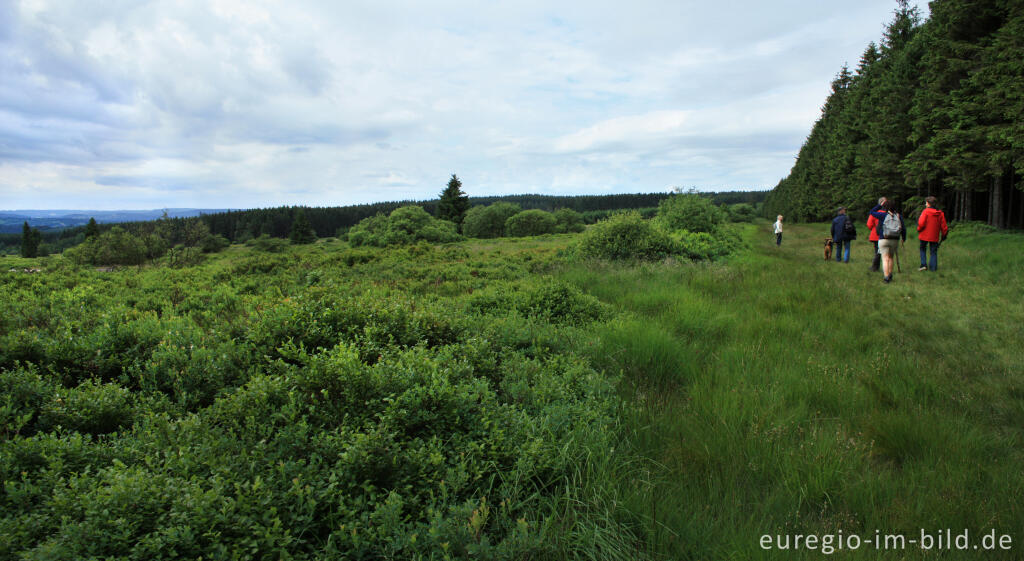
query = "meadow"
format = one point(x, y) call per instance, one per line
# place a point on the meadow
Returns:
point(505, 399)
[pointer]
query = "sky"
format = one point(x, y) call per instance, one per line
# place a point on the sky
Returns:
point(127, 104)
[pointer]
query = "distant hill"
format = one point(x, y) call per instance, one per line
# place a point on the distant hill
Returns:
point(11, 221)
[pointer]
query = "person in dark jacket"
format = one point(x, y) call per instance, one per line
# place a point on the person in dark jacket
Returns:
point(891, 231)
point(931, 230)
point(840, 238)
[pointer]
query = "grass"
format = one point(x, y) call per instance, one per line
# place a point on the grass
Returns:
point(782, 394)
point(775, 393)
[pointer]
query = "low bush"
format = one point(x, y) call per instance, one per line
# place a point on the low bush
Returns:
point(708, 246)
point(530, 223)
point(405, 225)
point(567, 221)
point(625, 236)
point(488, 221)
point(689, 211)
point(268, 244)
point(114, 247)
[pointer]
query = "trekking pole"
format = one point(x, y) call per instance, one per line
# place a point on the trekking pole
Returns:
point(898, 270)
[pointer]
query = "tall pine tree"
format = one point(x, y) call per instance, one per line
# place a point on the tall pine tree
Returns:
point(302, 232)
point(30, 241)
point(91, 229)
point(454, 203)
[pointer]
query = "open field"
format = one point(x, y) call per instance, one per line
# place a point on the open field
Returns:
point(497, 399)
point(781, 394)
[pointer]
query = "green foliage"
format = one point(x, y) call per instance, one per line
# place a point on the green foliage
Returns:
point(405, 225)
point(700, 246)
point(933, 109)
point(182, 256)
point(691, 212)
point(970, 228)
point(742, 212)
point(301, 405)
point(567, 221)
point(488, 221)
point(530, 223)
point(302, 232)
point(550, 301)
point(625, 236)
point(268, 244)
point(113, 247)
point(92, 229)
point(30, 241)
point(453, 203)
point(214, 244)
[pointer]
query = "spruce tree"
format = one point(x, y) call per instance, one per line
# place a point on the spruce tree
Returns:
point(302, 231)
point(30, 240)
point(454, 203)
point(91, 229)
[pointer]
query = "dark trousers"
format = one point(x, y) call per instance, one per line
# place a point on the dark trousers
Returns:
point(877, 261)
point(778, 238)
point(932, 249)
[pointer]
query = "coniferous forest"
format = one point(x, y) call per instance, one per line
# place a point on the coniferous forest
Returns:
point(936, 108)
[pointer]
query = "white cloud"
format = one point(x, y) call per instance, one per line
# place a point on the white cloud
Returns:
point(248, 103)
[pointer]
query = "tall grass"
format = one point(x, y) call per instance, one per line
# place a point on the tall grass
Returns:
point(782, 394)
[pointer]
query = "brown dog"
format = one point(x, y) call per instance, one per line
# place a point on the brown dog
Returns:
point(828, 249)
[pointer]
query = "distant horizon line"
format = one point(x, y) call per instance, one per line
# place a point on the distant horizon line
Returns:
point(353, 204)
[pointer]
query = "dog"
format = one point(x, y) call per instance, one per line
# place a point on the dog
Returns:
point(828, 249)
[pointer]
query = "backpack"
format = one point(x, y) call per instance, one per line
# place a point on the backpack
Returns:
point(849, 230)
point(891, 227)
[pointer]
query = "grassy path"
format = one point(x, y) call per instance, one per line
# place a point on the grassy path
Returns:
point(781, 394)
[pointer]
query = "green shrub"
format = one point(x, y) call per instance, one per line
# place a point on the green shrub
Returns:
point(689, 211)
point(561, 303)
point(23, 394)
point(530, 223)
point(489, 221)
point(741, 212)
point(181, 256)
point(214, 244)
point(568, 220)
point(405, 225)
point(625, 236)
point(553, 302)
point(90, 408)
point(971, 228)
point(113, 247)
point(708, 246)
point(268, 244)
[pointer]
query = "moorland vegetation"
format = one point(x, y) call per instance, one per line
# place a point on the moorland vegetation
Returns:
point(552, 397)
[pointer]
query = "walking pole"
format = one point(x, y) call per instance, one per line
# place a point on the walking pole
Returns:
point(898, 270)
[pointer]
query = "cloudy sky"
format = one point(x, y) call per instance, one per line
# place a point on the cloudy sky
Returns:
point(125, 104)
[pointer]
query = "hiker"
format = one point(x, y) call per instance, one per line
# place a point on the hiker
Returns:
point(843, 232)
point(778, 230)
point(931, 231)
point(876, 261)
point(890, 232)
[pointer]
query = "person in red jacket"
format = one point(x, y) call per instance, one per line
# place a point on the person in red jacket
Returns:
point(931, 230)
point(873, 237)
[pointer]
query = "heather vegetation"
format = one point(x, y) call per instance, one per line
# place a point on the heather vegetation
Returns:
point(611, 394)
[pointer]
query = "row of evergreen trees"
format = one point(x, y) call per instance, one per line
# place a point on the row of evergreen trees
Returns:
point(304, 224)
point(937, 108)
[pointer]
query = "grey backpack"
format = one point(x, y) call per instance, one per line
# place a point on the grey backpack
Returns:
point(891, 227)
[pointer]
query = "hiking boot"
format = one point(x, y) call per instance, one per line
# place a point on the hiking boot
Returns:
point(923, 268)
point(887, 279)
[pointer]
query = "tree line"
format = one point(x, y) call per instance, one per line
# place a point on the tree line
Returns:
point(934, 109)
point(279, 222)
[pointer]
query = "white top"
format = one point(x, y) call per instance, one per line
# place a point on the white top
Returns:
point(778, 226)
